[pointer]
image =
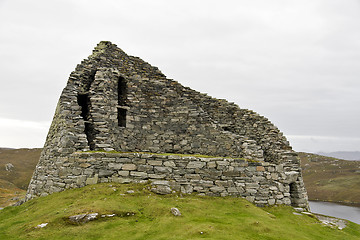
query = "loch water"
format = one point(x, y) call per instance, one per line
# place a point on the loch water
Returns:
point(351, 213)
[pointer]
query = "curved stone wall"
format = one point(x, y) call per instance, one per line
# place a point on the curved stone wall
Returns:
point(262, 183)
point(116, 102)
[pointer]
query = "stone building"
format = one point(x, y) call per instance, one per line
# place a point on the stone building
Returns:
point(118, 115)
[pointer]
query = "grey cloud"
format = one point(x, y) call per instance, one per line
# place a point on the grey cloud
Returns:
point(295, 62)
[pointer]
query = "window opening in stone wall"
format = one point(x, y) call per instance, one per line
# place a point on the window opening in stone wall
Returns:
point(122, 110)
point(122, 91)
point(90, 132)
point(83, 99)
point(122, 117)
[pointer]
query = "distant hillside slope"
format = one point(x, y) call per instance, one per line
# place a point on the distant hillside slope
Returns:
point(331, 179)
point(24, 161)
point(16, 169)
point(353, 156)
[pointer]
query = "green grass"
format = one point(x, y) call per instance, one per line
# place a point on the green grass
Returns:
point(202, 217)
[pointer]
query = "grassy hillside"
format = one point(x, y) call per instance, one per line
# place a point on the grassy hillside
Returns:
point(24, 161)
point(331, 179)
point(141, 214)
point(14, 182)
point(9, 193)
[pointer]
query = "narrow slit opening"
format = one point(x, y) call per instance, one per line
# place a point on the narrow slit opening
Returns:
point(122, 117)
point(122, 92)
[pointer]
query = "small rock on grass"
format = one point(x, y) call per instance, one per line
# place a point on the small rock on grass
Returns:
point(83, 218)
point(175, 212)
point(41, 225)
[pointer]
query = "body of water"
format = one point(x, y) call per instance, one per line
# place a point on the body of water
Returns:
point(336, 210)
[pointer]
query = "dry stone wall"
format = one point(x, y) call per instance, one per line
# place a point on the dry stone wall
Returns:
point(262, 183)
point(116, 102)
point(161, 114)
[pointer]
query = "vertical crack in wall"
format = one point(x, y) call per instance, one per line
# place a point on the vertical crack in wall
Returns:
point(84, 102)
point(122, 110)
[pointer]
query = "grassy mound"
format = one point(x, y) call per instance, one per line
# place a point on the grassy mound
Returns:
point(141, 214)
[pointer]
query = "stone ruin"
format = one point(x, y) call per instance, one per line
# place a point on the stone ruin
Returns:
point(119, 119)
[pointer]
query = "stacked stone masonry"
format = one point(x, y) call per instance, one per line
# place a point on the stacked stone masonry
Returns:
point(262, 183)
point(113, 101)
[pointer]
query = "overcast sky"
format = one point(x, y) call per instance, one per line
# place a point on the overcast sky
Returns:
point(295, 62)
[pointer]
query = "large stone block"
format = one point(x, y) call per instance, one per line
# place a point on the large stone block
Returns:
point(92, 180)
point(128, 167)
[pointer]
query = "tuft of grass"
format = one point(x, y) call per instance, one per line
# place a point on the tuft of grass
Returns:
point(141, 214)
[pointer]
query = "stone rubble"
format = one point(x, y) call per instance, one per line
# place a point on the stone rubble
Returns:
point(83, 218)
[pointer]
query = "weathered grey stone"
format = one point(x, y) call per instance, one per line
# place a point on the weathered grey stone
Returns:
point(271, 201)
point(162, 170)
point(161, 189)
point(113, 101)
point(186, 188)
point(217, 189)
point(291, 176)
point(251, 185)
point(157, 176)
point(195, 164)
point(142, 175)
point(85, 165)
point(121, 180)
point(155, 162)
point(128, 167)
point(169, 164)
point(115, 166)
point(145, 168)
point(124, 173)
point(80, 180)
point(105, 173)
point(83, 218)
point(250, 198)
point(92, 180)
point(9, 167)
point(175, 212)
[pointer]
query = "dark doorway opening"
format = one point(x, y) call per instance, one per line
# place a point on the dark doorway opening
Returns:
point(293, 193)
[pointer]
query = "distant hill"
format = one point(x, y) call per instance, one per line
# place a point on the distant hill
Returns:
point(353, 156)
point(331, 179)
point(16, 169)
